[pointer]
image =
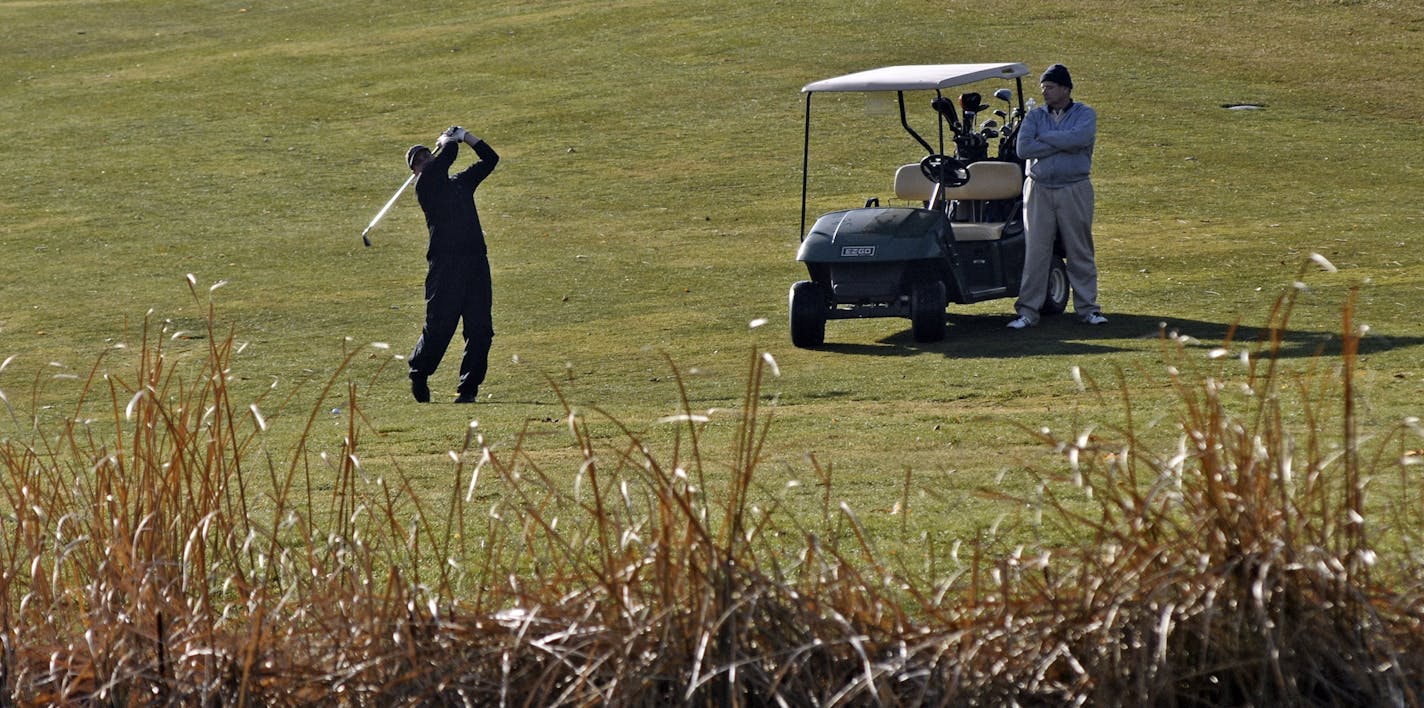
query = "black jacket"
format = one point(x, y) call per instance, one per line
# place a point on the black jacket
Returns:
point(449, 204)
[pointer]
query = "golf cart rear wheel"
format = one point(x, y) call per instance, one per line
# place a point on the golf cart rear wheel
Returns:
point(1057, 300)
point(927, 303)
point(808, 314)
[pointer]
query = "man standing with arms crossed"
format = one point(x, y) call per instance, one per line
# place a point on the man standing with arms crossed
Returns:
point(457, 283)
point(1057, 141)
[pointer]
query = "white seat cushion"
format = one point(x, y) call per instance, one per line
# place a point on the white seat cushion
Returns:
point(978, 230)
point(989, 180)
point(911, 184)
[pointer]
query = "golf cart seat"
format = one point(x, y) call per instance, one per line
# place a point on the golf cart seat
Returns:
point(989, 181)
point(912, 184)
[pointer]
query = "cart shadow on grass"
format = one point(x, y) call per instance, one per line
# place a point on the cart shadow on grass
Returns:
point(985, 336)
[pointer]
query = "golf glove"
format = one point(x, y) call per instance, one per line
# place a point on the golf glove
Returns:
point(456, 133)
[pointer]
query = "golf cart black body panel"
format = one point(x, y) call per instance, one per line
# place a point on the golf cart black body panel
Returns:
point(866, 258)
point(870, 257)
point(875, 234)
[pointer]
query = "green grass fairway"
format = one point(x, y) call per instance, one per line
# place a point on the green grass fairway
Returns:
point(646, 211)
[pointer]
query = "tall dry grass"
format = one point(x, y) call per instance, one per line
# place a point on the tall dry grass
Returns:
point(165, 555)
point(1241, 567)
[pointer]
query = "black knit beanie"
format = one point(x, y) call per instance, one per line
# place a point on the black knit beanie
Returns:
point(1057, 74)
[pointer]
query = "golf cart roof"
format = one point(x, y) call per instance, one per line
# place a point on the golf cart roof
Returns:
point(917, 76)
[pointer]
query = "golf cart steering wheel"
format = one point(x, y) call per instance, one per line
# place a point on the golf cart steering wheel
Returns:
point(948, 171)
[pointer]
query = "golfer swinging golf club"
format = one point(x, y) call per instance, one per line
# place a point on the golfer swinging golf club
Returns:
point(457, 283)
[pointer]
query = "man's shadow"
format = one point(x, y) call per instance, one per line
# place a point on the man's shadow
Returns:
point(986, 336)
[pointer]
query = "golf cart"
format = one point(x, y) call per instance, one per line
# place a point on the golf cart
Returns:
point(959, 235)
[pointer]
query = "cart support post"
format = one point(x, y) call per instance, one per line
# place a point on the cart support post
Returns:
point(805, 165)
point(906, 123)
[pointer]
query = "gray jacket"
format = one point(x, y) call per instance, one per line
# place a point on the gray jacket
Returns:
point(1059, 152)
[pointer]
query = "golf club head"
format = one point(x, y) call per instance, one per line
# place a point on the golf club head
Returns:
point(1004, 94)
point(970, 101)
point(366, 240)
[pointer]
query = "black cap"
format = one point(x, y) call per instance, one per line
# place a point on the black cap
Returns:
point(412, 152)
point(1057, 74)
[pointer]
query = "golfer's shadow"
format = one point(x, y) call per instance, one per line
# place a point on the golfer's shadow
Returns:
point(987, 336)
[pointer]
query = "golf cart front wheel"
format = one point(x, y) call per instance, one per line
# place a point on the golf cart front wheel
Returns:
point(927, 303)
point(808, 314)
point(1057, 300)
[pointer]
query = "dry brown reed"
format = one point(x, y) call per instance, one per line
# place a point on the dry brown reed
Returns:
point(165, 556)
point(1239, 568)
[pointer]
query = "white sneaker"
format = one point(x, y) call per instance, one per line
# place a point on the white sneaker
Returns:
point(1095, 318)
point(1020, 323)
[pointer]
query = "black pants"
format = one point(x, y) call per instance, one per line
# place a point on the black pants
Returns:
point(449, 298)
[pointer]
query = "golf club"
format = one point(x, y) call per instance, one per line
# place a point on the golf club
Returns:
point(972, 145)
point(366, 239)
point(969, 103)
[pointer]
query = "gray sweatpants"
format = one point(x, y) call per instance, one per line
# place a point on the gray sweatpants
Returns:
point(1058, 213)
